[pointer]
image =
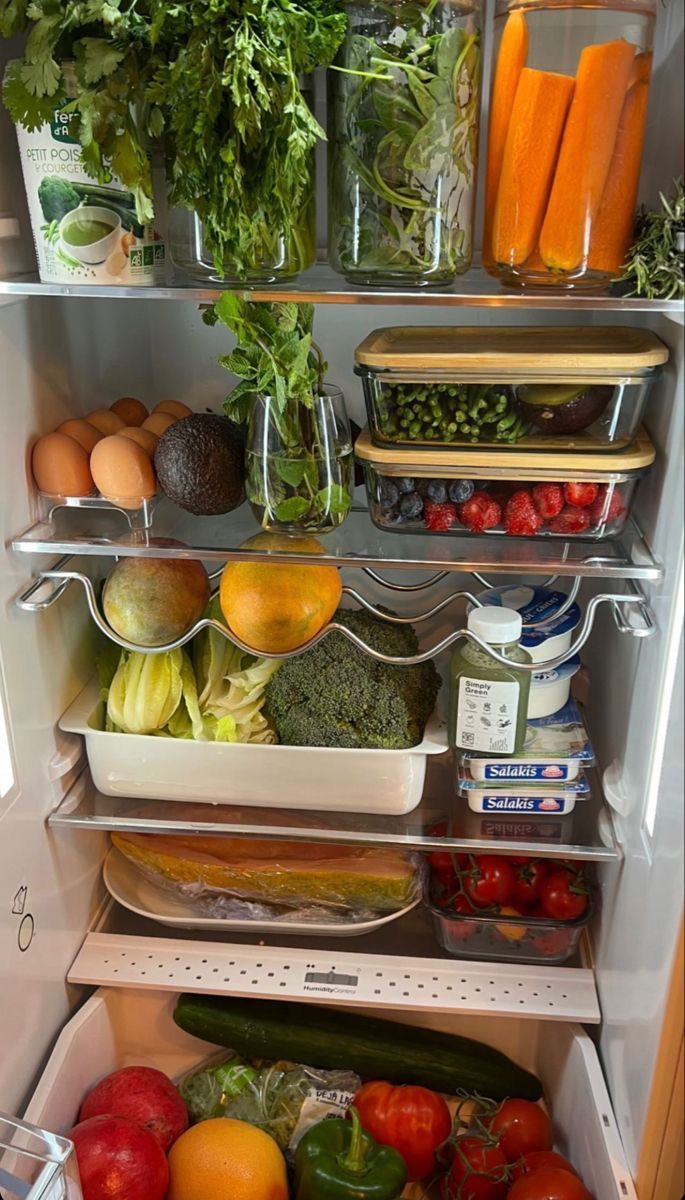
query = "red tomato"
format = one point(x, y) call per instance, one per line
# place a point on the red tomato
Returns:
point(564, 896)
point(550, 1183)
point(412, 1120)
point(462, 929)
point(490, 881)
point(528, 881)
point(536, 1160)
point(478, 1171)
point(551, 943)
point(521, 1126)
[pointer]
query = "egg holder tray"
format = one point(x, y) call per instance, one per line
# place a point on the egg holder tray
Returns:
point(138, 519)
point(630, 610)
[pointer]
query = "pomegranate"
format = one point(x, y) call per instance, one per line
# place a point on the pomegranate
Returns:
point(118, 1160)
point(143, 1095)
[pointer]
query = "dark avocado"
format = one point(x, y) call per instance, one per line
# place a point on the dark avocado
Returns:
point(200, 464)
point(563, 408)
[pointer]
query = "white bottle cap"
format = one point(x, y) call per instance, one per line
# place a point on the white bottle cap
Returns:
point(496, 626)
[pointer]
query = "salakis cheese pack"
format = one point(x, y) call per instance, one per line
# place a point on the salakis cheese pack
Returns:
point(85, 232)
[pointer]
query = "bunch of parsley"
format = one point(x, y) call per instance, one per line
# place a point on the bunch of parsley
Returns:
point(219, 79)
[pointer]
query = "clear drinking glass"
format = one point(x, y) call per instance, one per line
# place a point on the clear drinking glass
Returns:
point(404, 109)
point(567, 120)
point(283, 254)
point(299, 463)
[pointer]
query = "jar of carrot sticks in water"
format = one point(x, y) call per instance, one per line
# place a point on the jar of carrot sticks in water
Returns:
point(568, 113)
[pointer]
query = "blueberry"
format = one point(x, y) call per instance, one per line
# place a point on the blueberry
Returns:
point(437, 491)
point(388, 494)
point(461, 490)
point(411, 505)
point(406, 486)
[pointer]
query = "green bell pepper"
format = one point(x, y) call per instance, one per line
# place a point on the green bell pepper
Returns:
point(336, 1160)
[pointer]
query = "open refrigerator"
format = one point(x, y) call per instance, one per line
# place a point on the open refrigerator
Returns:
point(602, 1033)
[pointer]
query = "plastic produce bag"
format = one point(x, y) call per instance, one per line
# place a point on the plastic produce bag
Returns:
point(281, 1098)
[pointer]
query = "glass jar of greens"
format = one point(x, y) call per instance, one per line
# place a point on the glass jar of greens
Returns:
point(299, 464)
point(404, 110)
point(280, 257)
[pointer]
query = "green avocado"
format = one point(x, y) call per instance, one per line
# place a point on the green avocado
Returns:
point(200, 464)
point(563, 408)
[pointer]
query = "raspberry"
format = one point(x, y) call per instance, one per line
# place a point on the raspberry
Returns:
point(548, 499)
point(571, 520)
point(581, 495)
point(480, 512)
point(614, 509)
point(521, 517)
point(439, 517)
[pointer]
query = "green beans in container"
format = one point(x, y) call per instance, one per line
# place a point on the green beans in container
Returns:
point(549, 389)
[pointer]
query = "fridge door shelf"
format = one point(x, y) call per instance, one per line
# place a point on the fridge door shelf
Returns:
point(440, 822)
point(399, 967)
point(357, 543)
point(631, 612)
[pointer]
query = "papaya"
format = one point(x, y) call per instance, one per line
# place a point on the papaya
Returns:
point(277, 607)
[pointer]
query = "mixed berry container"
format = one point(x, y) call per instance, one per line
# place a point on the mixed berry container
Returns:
point(564, 495)
point(544, 389)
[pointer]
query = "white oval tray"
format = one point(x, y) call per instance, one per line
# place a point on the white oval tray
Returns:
point(129, 887)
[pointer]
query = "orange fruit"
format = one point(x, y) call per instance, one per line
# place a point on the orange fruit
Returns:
point(223, 1158)
point(277, 607)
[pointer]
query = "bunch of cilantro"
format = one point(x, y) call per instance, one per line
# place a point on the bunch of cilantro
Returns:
point(218, 79)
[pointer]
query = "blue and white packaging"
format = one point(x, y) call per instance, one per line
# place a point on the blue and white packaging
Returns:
point(555, 750)
point(541, 799)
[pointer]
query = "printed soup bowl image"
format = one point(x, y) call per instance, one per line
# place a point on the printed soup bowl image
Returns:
point(90, 233)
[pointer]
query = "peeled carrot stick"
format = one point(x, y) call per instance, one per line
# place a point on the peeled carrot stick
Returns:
point(613, 229)
point(586, 151)
point(511, 60)
point(530, 156)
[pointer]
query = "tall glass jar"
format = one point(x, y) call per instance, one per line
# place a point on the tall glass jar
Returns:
point(282, 255)
point(568, 113)
point(299, 463)
point(404, 110)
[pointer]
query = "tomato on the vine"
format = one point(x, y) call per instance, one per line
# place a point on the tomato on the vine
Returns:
point(413, 1120)
point(551, 1183)
point(564, 896)
point(521, 1126)
point(478, 1171)
point(528, 881)
point(551, 943)
point(536, 1160)
point(463, 930)
point(490, 880)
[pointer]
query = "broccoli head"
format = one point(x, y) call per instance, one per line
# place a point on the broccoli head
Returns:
point(336, 695)
point(57, 197)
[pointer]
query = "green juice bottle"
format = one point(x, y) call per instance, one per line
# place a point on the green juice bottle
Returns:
point(488, 707)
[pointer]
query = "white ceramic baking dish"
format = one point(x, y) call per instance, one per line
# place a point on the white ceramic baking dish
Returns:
point(300, 777)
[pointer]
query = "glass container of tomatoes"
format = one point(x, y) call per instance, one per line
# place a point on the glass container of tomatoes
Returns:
point(496, 907)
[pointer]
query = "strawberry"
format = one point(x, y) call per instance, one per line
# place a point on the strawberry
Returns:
point(439, 517)
point(614, 509)
point(571, 520)
point(548, 499)
point(480, 512)
point(521, 517)
point(581, 495)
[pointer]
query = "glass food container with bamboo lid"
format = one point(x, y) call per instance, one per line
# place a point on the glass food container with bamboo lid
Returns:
point(543, 389)
point(565, 495)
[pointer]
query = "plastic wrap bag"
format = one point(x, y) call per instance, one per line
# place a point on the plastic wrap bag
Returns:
point(280, 878)
point(282, 1098)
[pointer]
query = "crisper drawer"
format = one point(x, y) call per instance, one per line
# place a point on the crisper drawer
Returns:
point(119, 1027)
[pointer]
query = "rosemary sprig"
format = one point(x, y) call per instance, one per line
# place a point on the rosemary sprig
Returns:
point(655, 267)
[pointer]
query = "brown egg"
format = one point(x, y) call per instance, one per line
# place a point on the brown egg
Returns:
point(82, 432)
point(175, 407)
point(159, 422)
point(106, 421)
point(123, 472)
point(132, 412)
point(144, 437)
point(60, 466)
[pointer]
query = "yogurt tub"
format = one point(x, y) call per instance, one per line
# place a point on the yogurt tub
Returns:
point(544, 635)
point(550, 690)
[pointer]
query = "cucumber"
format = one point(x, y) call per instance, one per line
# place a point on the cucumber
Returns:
point(375, 1049)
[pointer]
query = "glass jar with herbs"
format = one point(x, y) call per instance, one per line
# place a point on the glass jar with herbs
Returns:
point(404, 110)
